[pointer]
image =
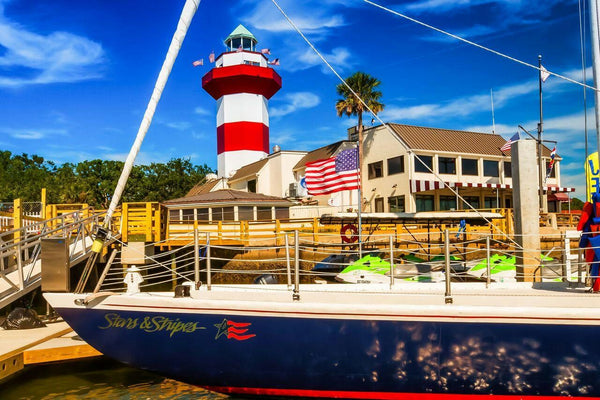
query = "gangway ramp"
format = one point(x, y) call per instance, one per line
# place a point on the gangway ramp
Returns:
point(20, 251)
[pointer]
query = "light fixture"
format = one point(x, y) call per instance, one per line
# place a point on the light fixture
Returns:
point(394, 186)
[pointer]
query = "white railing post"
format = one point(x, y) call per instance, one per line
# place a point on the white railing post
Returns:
point(208, 280)
point(391, 261)
point(488, 267)
point(287, 261)
point(448, 295)
point(296, 295)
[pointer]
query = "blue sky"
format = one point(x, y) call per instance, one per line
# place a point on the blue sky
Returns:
point(75, 77)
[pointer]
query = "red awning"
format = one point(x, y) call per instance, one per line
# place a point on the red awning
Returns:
point(558, 197)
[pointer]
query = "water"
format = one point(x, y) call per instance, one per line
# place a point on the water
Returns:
point(100, 379)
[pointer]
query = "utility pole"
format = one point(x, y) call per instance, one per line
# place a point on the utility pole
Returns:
point(542, 169)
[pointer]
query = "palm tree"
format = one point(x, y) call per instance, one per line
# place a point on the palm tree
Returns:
point(364, 86)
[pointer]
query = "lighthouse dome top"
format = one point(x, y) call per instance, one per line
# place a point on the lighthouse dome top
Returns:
point(241, 38)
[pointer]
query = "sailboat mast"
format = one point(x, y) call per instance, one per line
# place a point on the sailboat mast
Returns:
point(189, 9)
point(595, 43)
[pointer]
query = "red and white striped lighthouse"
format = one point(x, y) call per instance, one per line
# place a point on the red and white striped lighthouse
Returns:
point(242, 83)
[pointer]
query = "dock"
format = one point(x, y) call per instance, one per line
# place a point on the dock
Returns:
point(55, 342)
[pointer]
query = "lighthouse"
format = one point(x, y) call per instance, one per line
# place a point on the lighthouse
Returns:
point(242, 83)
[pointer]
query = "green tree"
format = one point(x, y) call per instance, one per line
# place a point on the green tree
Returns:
point(364, 86)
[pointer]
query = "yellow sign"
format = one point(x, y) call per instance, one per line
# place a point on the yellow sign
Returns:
point(592, 173)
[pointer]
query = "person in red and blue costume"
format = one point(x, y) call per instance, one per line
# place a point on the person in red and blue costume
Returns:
point(589, 225)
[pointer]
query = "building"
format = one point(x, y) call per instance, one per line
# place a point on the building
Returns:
point(394, 180)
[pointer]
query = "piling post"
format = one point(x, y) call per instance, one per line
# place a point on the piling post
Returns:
point(527, 212)
point(17, 219)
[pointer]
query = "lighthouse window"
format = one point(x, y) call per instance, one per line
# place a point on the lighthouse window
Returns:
point(247, 62)
point(236, 43)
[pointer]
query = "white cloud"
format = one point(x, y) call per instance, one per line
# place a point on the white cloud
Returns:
point(43, 59)
point(32, 134)
point(295, 101)
point(179, 125)
point(309, 18)
point(339, 57)
point(202, 111)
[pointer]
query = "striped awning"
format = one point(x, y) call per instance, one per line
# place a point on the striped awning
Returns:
point(483, 185)
point(419, 185)
point(558, 189)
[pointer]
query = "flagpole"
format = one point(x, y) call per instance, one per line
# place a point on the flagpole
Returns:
point(542, 202)
point(359, 201)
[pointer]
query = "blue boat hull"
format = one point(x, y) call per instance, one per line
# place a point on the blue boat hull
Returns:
point(349, 358)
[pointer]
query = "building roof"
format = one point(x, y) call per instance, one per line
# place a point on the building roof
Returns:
point(321, 153)
point(202, 187)
point(229, 196)
point(249, 169)
point(437, 139)
point(241, 31)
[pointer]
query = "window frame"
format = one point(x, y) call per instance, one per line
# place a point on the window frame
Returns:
point(375, 169)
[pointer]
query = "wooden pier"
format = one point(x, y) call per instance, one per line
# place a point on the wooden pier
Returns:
point(55, 342)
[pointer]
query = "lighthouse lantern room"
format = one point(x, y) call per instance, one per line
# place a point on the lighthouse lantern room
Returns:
point(242, 83)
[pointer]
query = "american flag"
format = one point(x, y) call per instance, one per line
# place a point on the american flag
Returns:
point(266, 51)
point(333, 174)
point(274, 62)
point(211, 57)
point(198, 62)
point(509, 142)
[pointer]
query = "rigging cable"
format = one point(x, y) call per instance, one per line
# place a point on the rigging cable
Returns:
point(406, 147)
point(416, 21)
point(583, 67)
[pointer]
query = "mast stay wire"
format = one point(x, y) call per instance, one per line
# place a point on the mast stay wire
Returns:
point(408, 149)
point(416, 21)
point(582, 33)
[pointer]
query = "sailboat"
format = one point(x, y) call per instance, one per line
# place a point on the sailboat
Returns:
point(519, 340)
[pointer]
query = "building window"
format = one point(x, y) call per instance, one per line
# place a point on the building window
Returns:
point(472, 200)
point(187, 214)
point(424, 202)
point(376, 170)
point(379, 205)
point(395, 165)
point(490, 168)
point(252, 186)
point(507, 169)
point(245, 213)
point(202, 214)
point(447, 203)
point(446, 165)
point(553, 172)
point(282, 213)
point(490, 202)
point(264, 214)
point(470, 166)
point(174, 215)
point(396, 204)
point(427, 160)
